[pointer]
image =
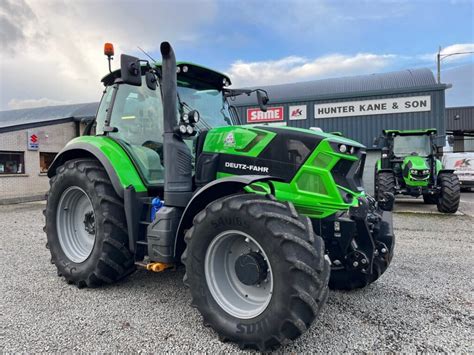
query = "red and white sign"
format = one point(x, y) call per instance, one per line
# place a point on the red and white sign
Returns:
point(297, 112)
point(32, 140)
point(273, 114)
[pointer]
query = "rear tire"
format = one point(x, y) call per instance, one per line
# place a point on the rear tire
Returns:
point(450, 194)
point(93, 253)
point(294, 255)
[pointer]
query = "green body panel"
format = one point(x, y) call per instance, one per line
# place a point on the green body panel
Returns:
point(417, 163)
point(410, 131)
point(312, 190)
point(236, 140)
point(118, 158)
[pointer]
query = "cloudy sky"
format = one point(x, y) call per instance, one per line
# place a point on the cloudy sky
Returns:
point(51, 51)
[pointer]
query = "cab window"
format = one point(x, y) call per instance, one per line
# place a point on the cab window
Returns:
point(137, 115)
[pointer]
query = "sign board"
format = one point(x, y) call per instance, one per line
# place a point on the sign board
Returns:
point(297, 112)
point(273, 114)
point(373, 107)
point(32, 140)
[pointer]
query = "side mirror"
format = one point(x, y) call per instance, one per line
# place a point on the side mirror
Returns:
point(262, 99)
point(130, 70)
point(376, 142)
point(150, 80)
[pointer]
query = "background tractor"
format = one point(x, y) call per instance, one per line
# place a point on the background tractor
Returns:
point(263, 218)
point(409, 166)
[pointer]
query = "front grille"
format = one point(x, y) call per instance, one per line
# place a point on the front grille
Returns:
point(348, 173)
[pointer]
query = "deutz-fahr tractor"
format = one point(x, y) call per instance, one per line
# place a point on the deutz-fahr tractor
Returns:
point(264, 219)
point(409, 166)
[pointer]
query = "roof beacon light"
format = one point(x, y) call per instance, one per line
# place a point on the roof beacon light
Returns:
point(109, 49)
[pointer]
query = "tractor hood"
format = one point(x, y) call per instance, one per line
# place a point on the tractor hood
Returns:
point(415, 162)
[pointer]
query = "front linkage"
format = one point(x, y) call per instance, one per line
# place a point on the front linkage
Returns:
point(360, 243)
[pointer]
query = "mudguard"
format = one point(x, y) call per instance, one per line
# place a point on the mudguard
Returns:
point(110, 154)
point(211, 192)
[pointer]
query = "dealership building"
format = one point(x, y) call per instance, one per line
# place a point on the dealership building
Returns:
point(358, 107)
point(29, 141)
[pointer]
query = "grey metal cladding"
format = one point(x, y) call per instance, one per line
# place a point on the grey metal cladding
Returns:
point(364, 129)
point(460, 118)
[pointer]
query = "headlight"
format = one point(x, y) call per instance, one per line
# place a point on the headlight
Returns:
point(413, 172)
point(190, 129)
point(343, 148)
point(183, 129)
point(185, 69)
point(426, 171)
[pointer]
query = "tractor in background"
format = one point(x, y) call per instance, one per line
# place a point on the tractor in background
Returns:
point(409, 166)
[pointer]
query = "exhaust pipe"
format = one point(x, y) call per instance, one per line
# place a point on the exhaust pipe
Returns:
point(177, 156)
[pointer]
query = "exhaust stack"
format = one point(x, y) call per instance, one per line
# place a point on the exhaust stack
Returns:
point(177, 156)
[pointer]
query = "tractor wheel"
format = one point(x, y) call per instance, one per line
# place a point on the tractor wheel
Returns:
point(448, 200)
point(429, 199)
point(256, 270)
point(343, 279)
point(85, 226)
point(385, 182)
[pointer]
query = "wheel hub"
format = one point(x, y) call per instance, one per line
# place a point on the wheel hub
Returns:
point(89, 222)
point(251, 268)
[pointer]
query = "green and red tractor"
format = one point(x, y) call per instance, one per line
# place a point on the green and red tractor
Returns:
point(264, 219)
point(409, 166)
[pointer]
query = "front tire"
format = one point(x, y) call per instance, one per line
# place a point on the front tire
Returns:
point(85, 226)
point(450, 194)
point(283, 255)
point(385, 183)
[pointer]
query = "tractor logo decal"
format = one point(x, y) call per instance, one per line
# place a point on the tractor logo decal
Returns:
point(296, 113)
point(229, 140)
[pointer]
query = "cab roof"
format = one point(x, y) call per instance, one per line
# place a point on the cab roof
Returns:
point(187, 72)
point(409, 132)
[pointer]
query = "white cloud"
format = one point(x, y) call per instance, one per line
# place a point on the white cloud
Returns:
point(453, 48)
point(15, 104)
point(293, 69)
point(53, 49)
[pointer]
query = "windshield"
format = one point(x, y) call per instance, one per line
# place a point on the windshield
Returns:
point(212, 108)
point(407, 145)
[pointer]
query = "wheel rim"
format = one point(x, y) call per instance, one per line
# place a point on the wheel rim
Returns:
point(231, 294)
point(75, 224)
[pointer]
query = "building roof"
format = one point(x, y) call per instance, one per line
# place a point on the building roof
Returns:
point(41, 116)
point(460, 118)
point(351, 86)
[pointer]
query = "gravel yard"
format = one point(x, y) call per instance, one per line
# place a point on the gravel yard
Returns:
point(422, 303)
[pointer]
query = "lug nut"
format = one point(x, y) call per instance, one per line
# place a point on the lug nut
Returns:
point(355, 264)
point(336, 262)
point(383, 250)
point(363, 261)
point(247, 240)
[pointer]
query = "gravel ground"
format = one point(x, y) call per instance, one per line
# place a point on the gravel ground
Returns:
point(422, 303)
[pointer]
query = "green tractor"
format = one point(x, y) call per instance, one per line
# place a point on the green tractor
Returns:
point(264, 219)
point(408, 166)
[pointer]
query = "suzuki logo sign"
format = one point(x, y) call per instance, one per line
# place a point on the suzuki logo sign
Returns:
point(32, 140)
point(273, 114)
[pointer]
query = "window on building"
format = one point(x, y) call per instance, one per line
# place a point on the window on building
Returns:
point(46, 159)
point(12, 162)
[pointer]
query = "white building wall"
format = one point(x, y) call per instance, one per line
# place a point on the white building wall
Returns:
point(32, 184)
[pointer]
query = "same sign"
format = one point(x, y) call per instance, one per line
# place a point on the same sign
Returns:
point(343, 109)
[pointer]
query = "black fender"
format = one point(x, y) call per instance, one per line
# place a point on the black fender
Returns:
point(384, 171)
point(211, 192)
point(83, 150)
